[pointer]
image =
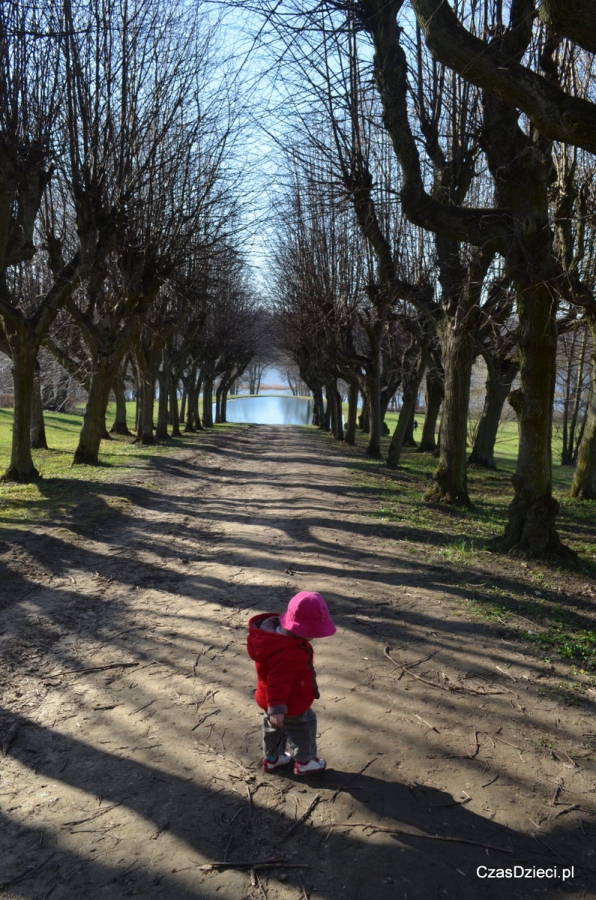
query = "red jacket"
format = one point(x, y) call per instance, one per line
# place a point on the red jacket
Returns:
point(286, 681)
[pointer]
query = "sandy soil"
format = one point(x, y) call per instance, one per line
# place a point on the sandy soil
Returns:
point(132, 743)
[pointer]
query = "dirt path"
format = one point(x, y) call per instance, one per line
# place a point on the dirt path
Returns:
point(132, 741)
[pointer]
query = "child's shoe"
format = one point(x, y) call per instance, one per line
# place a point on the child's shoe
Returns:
point(311, 767)
point(270, 764)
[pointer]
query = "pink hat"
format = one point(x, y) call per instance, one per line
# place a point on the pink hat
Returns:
point(307, 616)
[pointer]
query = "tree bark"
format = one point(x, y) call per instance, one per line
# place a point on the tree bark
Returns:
point(208, 401)
point(38, 428)
point(501, 375)
point(555, 114)
point(415, 363)
point(457, 341)
point(435, 391)
point(174, 410)
point(24, 355)
point(102, 376)
point(373, 391)
point(584, 479)
point(120, 425)
point(145, 432)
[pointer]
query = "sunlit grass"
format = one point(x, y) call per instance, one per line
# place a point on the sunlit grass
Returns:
point(64, 486)
point(459, 540)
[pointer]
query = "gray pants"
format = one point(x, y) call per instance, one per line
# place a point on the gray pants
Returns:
point(301, 731)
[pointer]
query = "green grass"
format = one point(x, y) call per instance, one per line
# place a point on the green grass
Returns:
point(539, 602)
point(64, 486)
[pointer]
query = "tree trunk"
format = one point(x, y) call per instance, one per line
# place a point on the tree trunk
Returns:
point(364, 418)
point(174, 413)
point(584, 479)
point(218, 395)
point(183, 405)
point(38, 428)
point(24, 356)
point(530, 531)
point(196, 413)
point(574, 424)
point(164, 378)
point(145, 431)
point(435, 391)
point(318, 409)
point(501, 374)
point(335, 406)
point(457, 341)
point(94, 419)
point(351, 424)
point(120, 425)
point(373, 392)
point(208, 402)
point(414, 365)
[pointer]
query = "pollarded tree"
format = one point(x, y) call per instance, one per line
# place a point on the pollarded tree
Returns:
point(518, 228)
point(146, 114)
point(32, 36)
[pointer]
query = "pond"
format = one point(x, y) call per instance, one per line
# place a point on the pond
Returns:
point(270, 410)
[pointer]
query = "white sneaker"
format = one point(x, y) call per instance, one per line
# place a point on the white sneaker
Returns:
point(270, 764)
point(310, 767)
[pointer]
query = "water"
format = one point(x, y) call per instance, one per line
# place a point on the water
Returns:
point(269, 410)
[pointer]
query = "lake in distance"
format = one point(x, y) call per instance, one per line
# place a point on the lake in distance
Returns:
point(270, 410)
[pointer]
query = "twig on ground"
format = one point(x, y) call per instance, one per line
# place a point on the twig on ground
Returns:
point(453, 689)
point(227, 758)
point(432, 727)
point(302, 819)
point(100, 812)
point(564, 757)
point(509, 744)
point(26, 873)
point(476, 747)
point(431, 837)
point(558, 790)
point(505, 672)
point(490, 782)
point(408, 665)
point(305, 896)
point(352, 779)
point(9, 737)
point(568, 809)
point(194, 668)
point(273, 863)
point(94, 669)
point(213, 712)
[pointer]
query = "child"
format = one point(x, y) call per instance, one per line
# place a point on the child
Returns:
point(286, 683)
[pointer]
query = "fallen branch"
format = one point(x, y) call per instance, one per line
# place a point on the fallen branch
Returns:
point(430, 837)
point(94, 669)
point(476, 748)
point(453, 689)
point(352, 779)
point(100, 812)
point(214, 712)
point(274, 863)
point(432, 727)
point(302, 819)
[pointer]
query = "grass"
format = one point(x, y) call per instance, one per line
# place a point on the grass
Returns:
point(537, 602)
point(64, 486)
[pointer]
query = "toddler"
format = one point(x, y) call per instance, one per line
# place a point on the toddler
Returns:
point(286, 683)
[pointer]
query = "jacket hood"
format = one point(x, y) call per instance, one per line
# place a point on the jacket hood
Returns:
point(263, 643)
